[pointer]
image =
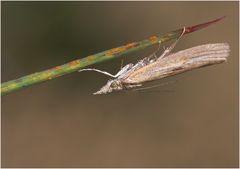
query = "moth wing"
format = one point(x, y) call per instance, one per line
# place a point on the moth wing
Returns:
point(181, 61)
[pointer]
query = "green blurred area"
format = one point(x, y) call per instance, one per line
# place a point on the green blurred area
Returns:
point(192, 122)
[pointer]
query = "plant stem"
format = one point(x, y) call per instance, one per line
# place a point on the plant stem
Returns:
point(35, 78)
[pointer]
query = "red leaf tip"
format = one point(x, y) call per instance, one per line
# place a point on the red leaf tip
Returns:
point(202, 25)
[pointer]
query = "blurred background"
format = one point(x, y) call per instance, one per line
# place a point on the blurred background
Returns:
point(192, 122)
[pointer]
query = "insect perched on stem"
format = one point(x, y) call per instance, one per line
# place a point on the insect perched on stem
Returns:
point(154, 68)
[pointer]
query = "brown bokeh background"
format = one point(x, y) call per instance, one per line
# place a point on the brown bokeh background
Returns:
point(192, 122)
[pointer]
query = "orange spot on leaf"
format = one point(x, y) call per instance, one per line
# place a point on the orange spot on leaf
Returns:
point(74, 63)
point(131, 45)
point(153, 38)
point(114, 51)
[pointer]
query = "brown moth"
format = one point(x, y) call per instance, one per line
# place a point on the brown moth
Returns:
point(154, 68)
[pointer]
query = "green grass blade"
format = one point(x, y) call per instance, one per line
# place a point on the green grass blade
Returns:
point(36, 78)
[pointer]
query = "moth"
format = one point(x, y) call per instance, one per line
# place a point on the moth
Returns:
point(167, 64)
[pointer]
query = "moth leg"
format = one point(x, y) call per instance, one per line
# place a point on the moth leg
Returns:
point(158, 49)
point(154, 55)
point(169, 49)
point(125, 69)
point(121, 64)
point(129, 86)
point(164, 48)
point(154, 86)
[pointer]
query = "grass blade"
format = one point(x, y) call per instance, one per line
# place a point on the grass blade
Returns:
point(36, 78)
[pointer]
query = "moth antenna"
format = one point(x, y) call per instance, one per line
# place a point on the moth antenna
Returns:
point(169, 49)
point(100, 71)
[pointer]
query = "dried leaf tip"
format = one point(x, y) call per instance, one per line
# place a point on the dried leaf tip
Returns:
point(203, 25)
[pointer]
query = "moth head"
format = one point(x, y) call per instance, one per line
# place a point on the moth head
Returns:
point(110, 86)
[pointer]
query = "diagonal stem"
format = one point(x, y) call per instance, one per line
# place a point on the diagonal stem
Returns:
point(36, 78)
